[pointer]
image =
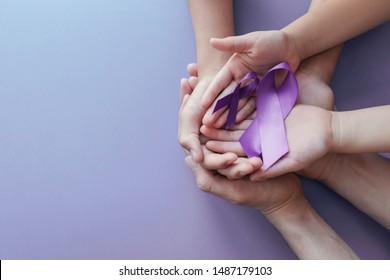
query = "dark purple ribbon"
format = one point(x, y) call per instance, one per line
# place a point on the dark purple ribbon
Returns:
point(266, 135)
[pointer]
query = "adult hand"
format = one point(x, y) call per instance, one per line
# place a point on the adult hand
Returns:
point(282, 202)
point(191, 112)
point(267, 196)
point(190, 117)
point(227, 163)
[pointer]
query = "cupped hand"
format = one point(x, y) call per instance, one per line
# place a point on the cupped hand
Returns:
point(257, 51)
point(313, 75)
point(191, 112)
point(190, 117)
point(309, 135)
point(269, 196)
point(228, 164)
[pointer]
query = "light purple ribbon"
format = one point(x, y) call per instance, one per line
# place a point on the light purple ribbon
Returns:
point(266, 135)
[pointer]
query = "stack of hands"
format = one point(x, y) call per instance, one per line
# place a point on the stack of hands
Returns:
point(324, 144)
point(216, 156)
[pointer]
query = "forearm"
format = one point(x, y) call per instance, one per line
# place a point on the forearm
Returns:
point(335, 22)
point(316, 3)
point(308, 235)
point(328, 59)
point(362, 179)
point(359, 131)
point(211, 18)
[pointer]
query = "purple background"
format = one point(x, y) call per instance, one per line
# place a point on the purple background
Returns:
point(90, 166)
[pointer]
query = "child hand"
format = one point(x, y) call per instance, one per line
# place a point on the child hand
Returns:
point(309, 135)
point(256, 51)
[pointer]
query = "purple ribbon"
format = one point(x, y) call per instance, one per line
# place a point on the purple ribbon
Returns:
point(266, 135)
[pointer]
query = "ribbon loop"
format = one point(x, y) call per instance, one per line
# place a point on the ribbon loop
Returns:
point(266, 135)
point(238, 93)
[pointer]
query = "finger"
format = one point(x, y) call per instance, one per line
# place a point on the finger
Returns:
point(210, 117)
point(218, 185)
point(256, 162)
point(219, 120)
point(204, 178)
point(185, 88)
point(243, 125)
point(233, 70)
point(192, 69)
point(247, 110)
point(185, 92)
point(233, 44)
point(221, 134)
point(192, 144)
point(225, 147)
point(189, 131)
point(281, 167)
point(184, 101)
point(223, 78)
point(190, 120)
point(193, 81)
point(213, 161)
point(239, 169)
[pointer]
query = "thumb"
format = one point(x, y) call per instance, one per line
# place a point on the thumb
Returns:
point(282, 166)
point(233, 44)
point(191, 143)
point(204, 178)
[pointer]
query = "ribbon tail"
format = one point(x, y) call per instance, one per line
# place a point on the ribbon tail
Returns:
point(250, 140)
point(288, 93)
point(271, 124)
point(223, 102)
point(231, 119)
point(274, 147)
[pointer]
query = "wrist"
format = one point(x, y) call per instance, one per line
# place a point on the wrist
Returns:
point(297, 33)
point(342, 131)
point(309, 236)
point(292, 212)
point(274, 212)
point(335, 128)
point(293, 56)
point(324, 168)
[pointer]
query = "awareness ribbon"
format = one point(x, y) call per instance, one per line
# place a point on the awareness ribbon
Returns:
point(266, 135)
